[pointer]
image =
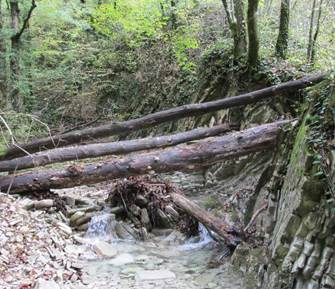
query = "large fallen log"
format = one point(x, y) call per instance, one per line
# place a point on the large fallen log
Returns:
point(113, 148)
point(179, 158)
point(117, 128)
point(231, 235)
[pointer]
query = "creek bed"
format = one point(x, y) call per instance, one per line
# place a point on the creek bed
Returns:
point(166, 261)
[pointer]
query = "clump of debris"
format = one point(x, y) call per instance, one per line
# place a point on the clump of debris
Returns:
point(147, 204)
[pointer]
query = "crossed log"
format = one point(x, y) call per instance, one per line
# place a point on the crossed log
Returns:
point(59, 155)
point(178, 158)
point(117, 128)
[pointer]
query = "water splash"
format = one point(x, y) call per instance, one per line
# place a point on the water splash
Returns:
point(101, 227)
point(194, 244)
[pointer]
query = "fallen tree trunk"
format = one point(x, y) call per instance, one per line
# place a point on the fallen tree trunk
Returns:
point(103, 149)
point(117, 128)
point(231, 235)
point(179, 158)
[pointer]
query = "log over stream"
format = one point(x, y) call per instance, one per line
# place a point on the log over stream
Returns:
point(182, 158)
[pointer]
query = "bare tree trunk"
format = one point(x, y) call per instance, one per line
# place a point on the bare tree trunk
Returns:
point(103, 149)
point(253, 51)
point(179, 158)
point(316, 34)
point(310, 36)
point(173, 114)
point(3, 66)
point(283, 35)
point(14, 95)
point(241, 33)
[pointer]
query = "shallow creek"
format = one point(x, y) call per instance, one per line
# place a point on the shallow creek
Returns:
point(166, 261)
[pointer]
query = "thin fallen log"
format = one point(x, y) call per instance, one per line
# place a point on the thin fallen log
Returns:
point(179, 158)
point(114, 148)
point(230, 234)
point(117, 128)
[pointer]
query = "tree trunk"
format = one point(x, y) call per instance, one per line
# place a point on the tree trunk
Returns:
point(253, 34)
point(237, 27)
point(3, 70)
point(113, 148)
point(232, 236)
point(316, 34)
point(118, 128)
point(179, 158)
point(282, 40)
point(13, 93)
point(310, 36)
point(240, 41)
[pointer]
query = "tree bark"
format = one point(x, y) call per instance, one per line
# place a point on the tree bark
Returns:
point(117, 128)
point(241, 33)
point(179, 158)
point(237, 27)
point(114, 148)
point(316, 34)
point(230, 235)
point(253, 34)
point(14, 93)
point(282, 40)
point(310, 36)
point(3, 73)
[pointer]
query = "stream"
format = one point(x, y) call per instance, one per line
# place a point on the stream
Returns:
point(166, 261)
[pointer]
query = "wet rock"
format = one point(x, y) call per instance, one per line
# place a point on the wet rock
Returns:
point(83, 227)
point(76, 216)
point(39, 205)
point(150, 275)
point(145, 220)
point(122, 259)
point(117, 210)
point(84, 219)
point(69, 201)
point(64, 228)
point(143, 234)
point(123, 231)
point(162, 218)
point(172, 212)
point(104, 249)
point(135, 210)
point(141, 201)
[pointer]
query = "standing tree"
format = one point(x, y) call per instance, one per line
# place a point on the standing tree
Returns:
point(253, 50)
point(14, 94)
point(283, 35)
point(3, 75)
point(237, 26)
point(311, 49)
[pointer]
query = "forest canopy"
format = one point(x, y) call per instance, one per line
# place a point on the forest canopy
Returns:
point(68, 63)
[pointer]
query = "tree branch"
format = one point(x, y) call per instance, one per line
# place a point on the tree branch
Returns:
point(17, 35)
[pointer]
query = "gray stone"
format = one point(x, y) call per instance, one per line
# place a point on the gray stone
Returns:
point(145, 220)
point(148, 275)
point(104, 249)
point(124, 231)
point(76, 216)
point(141, 201)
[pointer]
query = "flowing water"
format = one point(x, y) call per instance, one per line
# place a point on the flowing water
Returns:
point(167, 261)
